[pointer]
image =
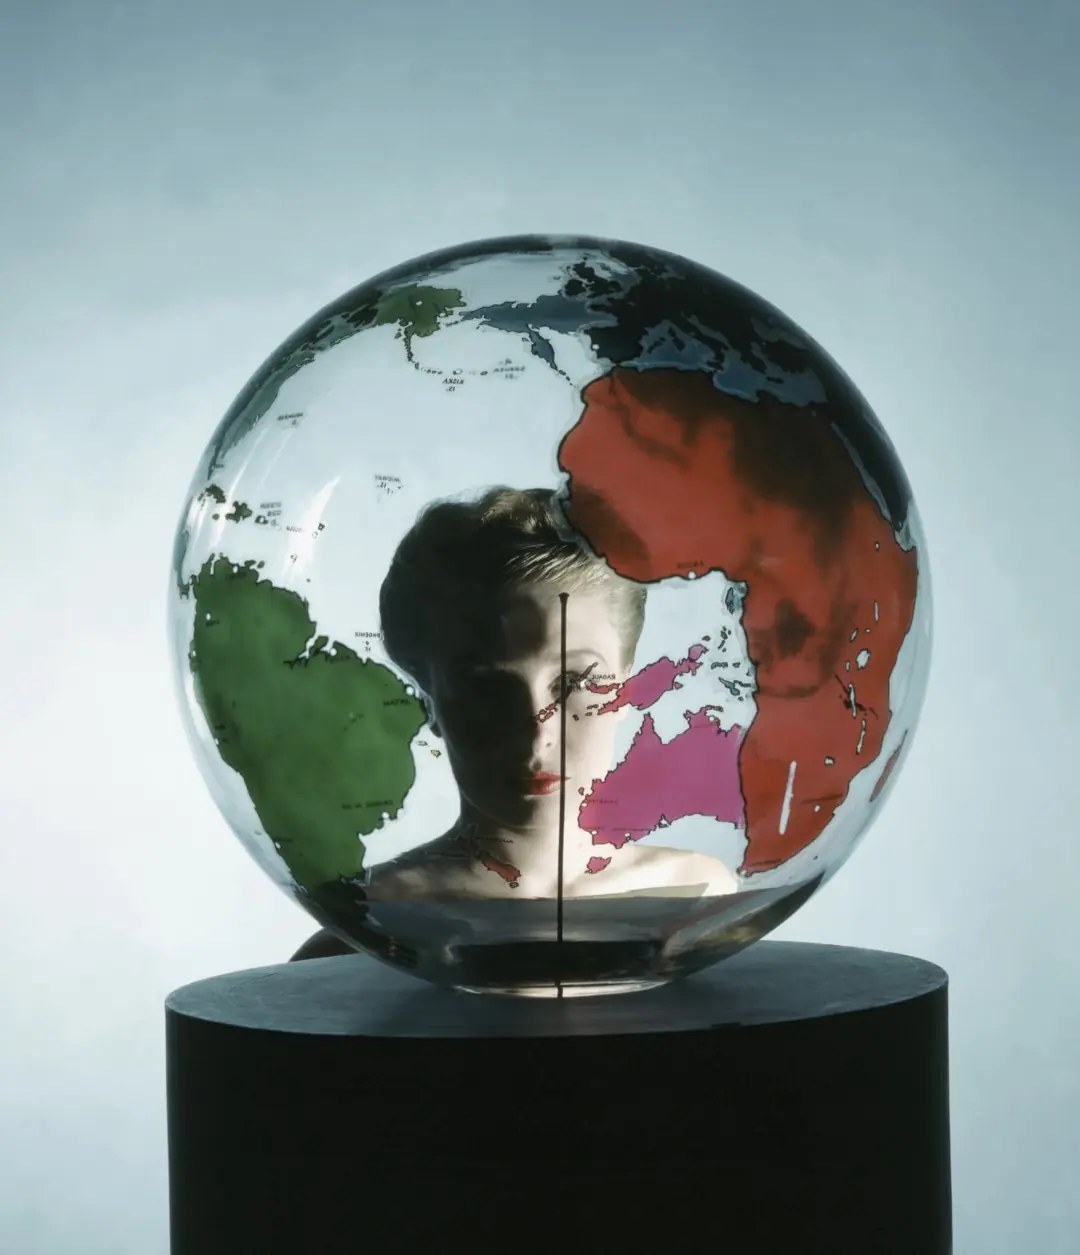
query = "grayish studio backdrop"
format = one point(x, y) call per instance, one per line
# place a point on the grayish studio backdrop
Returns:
point(182, 184)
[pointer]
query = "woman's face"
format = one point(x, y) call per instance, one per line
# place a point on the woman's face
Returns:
point(495, 689)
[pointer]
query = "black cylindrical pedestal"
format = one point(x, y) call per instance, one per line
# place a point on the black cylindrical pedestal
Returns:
point(791, 1099)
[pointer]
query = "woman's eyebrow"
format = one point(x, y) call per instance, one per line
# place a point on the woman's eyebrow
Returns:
point(582, 654)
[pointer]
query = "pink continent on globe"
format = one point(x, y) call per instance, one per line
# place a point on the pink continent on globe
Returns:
point(695, 773)
point(651, 683)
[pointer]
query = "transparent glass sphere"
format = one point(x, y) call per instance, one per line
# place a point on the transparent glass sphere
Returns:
point(551, 616)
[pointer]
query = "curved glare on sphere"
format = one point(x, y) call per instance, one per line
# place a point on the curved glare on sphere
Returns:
point(551, 616)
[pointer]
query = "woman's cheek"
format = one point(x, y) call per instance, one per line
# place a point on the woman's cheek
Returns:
point(592, 742)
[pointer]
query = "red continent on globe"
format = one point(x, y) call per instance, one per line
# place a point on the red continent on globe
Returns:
point(669, 476)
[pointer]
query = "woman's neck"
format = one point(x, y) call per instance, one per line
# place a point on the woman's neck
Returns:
point(533, 851)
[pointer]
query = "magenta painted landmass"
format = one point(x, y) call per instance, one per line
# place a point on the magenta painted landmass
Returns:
point(597, 864)
point(695, 773)
point(651, 683)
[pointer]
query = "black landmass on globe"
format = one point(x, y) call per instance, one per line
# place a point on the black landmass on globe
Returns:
point(620, 315)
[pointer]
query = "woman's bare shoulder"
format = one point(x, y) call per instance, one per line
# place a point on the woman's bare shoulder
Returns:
point(717, 876)
point(692, 868)
point(435, 868)
point(322, 945)
point(665, 871)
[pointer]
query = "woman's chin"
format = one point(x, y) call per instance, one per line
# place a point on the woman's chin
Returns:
point(517, 812)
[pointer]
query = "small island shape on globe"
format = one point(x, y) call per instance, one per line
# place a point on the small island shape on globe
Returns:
point(551, 616)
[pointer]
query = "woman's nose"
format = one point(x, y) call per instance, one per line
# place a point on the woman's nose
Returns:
point(531, 719)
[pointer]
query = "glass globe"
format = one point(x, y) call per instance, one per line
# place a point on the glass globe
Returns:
point(551, 616)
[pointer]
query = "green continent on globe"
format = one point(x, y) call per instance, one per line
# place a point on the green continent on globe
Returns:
point(321, 737)
point(240, 511)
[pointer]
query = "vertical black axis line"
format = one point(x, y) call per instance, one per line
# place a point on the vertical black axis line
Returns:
point(563, 691)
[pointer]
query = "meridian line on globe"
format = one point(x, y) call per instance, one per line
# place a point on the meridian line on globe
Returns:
point(563, 698)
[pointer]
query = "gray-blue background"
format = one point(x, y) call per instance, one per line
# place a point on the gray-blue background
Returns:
point(182, 183)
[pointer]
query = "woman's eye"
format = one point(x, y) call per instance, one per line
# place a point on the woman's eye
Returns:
point(570, 682)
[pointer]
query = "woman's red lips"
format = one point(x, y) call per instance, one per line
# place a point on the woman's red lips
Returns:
point(543, 782)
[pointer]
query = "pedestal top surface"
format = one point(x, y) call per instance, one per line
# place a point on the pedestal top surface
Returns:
point(771, 982)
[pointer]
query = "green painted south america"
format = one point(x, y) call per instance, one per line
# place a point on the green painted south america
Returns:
point(320, 736)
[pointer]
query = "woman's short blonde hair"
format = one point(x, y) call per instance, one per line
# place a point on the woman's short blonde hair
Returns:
point(460, 551)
